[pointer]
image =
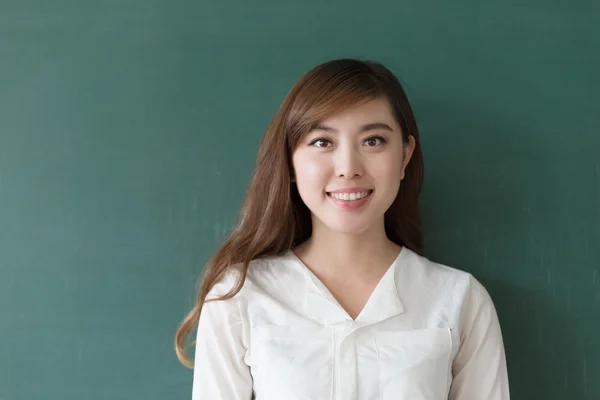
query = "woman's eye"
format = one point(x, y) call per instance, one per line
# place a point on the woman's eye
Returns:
point(374, 141)
point(320, 143)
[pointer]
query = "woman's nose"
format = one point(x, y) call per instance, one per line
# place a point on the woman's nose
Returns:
point(348, 163)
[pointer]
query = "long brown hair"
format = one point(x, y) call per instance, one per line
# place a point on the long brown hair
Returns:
point(273, 217)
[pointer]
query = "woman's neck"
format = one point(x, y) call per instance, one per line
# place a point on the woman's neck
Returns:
point(361, 255)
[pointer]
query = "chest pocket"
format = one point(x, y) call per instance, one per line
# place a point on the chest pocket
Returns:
point(293, 364)
point(414, 365)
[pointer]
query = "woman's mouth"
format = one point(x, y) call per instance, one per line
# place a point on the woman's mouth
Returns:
point(350, 200)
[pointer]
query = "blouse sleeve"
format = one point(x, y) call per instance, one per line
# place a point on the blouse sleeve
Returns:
point(479, 368)
point(220, 372)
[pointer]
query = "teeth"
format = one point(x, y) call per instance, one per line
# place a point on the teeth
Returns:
point(349, 196)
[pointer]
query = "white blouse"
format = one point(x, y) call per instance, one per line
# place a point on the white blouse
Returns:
point(428, 332)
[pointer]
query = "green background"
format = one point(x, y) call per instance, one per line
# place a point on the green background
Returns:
point(128, 132)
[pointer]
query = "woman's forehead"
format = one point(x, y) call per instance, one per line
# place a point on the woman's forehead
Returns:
point(368, 112)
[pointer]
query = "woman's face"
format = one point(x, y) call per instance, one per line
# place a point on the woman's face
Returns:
point(348, 169)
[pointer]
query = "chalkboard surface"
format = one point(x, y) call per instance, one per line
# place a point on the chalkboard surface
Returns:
point(128, 132)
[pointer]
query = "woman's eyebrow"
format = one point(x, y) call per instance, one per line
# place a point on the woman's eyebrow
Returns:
point(364, 128)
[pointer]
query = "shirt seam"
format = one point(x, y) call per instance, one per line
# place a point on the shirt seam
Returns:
point(333, 364)
point(379, 367)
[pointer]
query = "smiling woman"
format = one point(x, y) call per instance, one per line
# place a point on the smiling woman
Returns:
point(323, 292)
point(347, 154)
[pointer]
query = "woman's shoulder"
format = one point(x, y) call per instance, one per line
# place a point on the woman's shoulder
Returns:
point(426, 266)
point(261, 272)
point(447, 277)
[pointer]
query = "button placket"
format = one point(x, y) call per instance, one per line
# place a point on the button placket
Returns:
point(346, 383)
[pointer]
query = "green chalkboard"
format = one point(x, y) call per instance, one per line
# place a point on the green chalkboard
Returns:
point(128, 131)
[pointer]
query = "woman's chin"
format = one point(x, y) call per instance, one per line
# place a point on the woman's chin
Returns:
point(348, 227)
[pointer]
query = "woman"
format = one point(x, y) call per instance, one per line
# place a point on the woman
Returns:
point(322, 291)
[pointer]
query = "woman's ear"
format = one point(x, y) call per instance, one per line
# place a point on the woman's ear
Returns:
point(407, 152)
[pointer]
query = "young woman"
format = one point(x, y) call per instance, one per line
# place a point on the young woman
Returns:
point(322, 291)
